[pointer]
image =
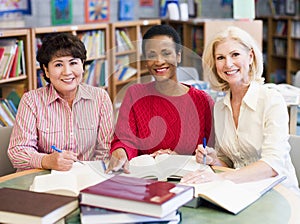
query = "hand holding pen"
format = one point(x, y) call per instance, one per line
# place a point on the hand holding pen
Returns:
point(60, 151)
point(205, 154)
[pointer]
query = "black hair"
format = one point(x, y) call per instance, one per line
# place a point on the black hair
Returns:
point(58, 45)
point(166, 30)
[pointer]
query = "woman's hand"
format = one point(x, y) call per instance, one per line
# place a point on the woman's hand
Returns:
point(200, 176)
point(61, 161)
point(163, 151)
point(118, 161)
point(210, 153)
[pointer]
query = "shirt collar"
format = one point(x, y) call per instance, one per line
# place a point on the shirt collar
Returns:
point(250, 99)
point(82, 93)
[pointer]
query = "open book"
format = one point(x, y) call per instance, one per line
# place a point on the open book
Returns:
point(163, 166)
point(72, 181)
point(235, 197)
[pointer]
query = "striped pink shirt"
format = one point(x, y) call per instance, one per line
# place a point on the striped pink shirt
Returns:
point(45, 119)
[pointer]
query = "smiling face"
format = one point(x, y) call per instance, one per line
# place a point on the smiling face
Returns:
point(161, 57)
point(233, 61)
point(65, 74)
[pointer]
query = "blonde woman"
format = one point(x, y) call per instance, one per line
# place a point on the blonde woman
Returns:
point(251, 122)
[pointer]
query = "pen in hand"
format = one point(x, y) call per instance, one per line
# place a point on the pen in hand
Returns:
point(204, 155)
point(56, 149)
point(59, 150)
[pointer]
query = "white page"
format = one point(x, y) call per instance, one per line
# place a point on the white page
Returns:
point(71, 182)
point(163, 166)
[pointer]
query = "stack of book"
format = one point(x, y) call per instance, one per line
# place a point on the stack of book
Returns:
point(133, 200)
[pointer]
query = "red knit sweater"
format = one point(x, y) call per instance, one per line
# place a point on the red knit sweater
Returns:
point(149, 121)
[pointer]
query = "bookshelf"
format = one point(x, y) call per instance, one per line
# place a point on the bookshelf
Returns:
point(96, 40)
point(23, 81)
point(122, 55)
point(195, 33)
point(15, 72)
point(282, 48)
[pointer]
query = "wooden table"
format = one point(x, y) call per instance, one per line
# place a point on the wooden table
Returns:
point(278, 206)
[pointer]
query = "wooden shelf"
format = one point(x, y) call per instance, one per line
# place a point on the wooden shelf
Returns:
point(134, 30)
point(283, 36)
point(23, 82)
point(80, 30)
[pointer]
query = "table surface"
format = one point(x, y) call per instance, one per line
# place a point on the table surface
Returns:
point(278, 206)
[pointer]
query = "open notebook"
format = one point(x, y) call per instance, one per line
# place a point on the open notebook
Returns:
point(72, 181)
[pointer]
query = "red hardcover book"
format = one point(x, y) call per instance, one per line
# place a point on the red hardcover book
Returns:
point(137, 195)
point(2, 49)
point(14, 65)
point(22, 206)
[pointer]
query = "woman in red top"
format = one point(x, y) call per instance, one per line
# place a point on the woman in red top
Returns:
point(163, 116)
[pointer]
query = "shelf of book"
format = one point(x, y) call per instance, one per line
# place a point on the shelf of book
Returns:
point(127, 65)
point(96, 40)
point(283, 47)
point(15, 71)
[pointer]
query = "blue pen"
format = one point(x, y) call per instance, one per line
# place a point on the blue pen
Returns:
point(204, 155)
point(103, 165)
point(55, 148)
point(59, 150)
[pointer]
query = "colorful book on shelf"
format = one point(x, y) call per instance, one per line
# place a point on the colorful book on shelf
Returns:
point(127, 72)
point(121, 45)
point(14, 65)
point(6, 116)
point(235, 197)
point(3, 122)
point(137, 195)
point(71, 182)
point(20, 58)
point(13, 92)
point(164, 166)
point(94, 215)
point(104, 74)
point(23, 206)
point(2, 50)
point(127, 40)
point(9, 106)
point(6, 62)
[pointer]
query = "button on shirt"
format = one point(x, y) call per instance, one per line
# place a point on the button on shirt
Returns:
point(45, 119)
point(262, 132)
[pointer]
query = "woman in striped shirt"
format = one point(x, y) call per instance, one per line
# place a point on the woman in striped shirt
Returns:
point(74, 117)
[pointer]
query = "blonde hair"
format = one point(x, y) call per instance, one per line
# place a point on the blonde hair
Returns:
point(246, 40)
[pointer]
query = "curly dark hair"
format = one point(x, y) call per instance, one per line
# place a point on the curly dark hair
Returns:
point(59, 45)
point(158, 30)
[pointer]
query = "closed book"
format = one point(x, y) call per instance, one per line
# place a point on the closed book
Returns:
point(22, 206)
point(94, 215)
point(137, 195)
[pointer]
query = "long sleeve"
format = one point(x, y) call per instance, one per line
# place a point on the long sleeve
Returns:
point(44, 119)
point(149, 121)
point(105, 128)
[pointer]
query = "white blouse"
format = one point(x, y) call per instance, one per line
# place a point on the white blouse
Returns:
point(262, 132)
